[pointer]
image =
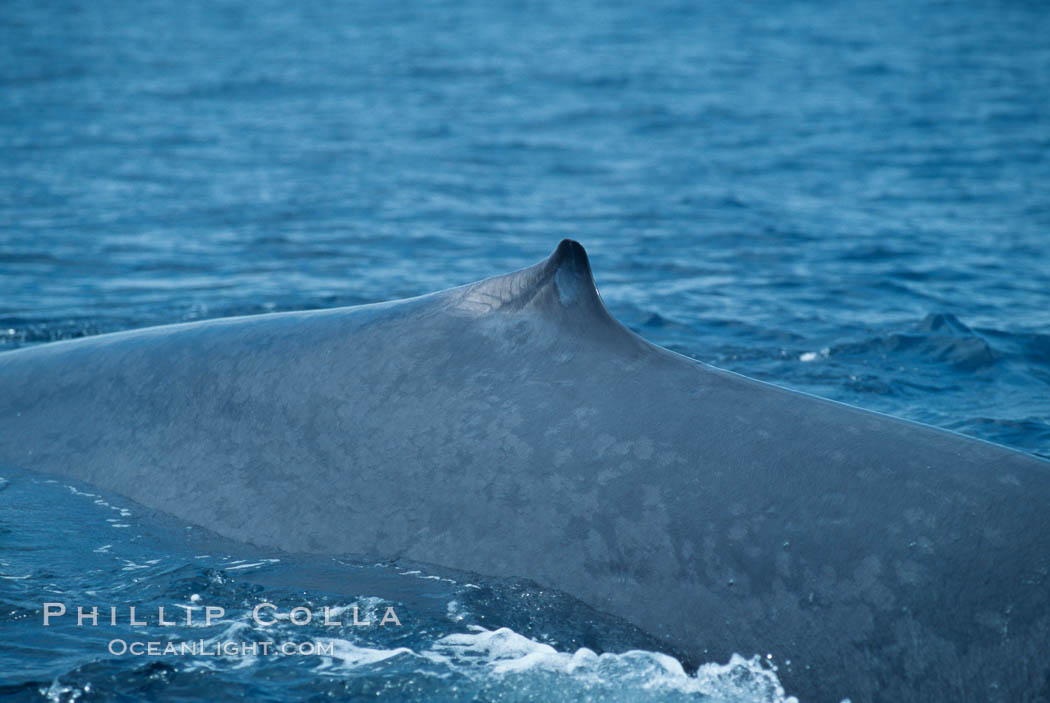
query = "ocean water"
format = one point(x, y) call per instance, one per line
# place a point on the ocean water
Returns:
point(846, 198)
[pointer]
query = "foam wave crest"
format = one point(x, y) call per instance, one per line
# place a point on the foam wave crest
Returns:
point(520, 668)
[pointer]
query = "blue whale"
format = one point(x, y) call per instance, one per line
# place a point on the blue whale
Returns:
point(512, 427)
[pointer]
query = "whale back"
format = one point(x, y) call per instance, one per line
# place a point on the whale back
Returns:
point(512, 427)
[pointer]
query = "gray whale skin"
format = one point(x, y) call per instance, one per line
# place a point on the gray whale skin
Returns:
point(512, 427)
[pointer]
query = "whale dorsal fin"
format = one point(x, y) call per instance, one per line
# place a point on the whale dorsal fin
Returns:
point(561, 284)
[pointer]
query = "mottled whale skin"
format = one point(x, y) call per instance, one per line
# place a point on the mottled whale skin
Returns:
point(512, 427)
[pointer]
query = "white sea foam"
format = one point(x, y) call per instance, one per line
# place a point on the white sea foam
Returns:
point(493, 661)
point(505, 652)
point(250, 565)
point(498, 659)
point(813, 356)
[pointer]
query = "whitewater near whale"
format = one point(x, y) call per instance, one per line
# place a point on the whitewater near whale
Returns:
point(512, 427)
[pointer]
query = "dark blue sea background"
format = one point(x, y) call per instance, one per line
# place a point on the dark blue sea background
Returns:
point(850, 199)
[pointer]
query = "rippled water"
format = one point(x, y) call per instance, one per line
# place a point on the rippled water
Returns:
point(845, 198)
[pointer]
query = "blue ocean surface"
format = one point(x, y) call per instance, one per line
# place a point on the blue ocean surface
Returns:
point(850, 199)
